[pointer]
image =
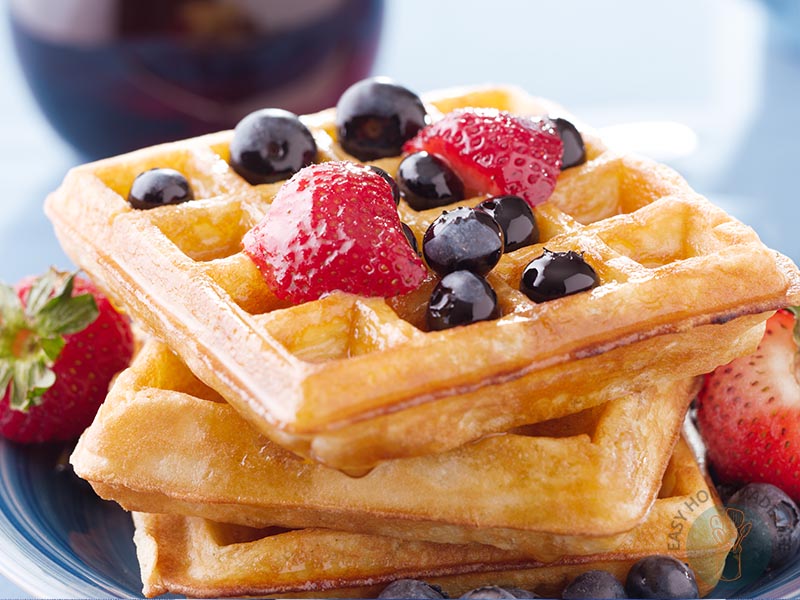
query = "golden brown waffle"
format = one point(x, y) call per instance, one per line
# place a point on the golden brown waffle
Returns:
point(201, 558)
point(575, 485)
point(351, 381)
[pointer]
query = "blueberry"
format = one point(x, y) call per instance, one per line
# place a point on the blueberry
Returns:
point(594, 584)
point(427, 182)
point(574, 150)
point(463, 238)
point(375, 117)
point(388, 179)
point(556, 274)
point(489, 592)
point(515, 218)
point(412, 239)
point(461, 298)
point(412, 588)
point(157, 187)
point(271, 144)
point(661, 577)
point(775, 519)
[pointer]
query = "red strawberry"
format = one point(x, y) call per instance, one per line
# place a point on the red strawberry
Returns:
point(334, 226)
point(61, 342)
point(496, 152)
point(749, 412)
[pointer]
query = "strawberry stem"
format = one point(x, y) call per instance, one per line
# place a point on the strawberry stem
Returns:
point(24, 343)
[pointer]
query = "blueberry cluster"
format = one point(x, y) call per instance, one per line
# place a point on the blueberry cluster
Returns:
point(651, 577)
point(462, 246)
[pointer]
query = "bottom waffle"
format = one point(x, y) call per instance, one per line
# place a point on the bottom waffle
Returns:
point(574, 485)
point(202, 558)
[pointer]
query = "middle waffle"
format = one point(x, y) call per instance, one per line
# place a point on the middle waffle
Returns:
point(165, 443)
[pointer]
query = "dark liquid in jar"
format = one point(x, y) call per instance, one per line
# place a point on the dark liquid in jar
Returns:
point(114, 75)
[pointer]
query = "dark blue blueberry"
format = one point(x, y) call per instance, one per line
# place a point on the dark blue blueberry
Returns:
point(412, 588)
point(388, 179)
point(461, 298)
point(412, 239)
point(594, 584)
point(515, 218)
point(574, 150)
point(488, 592)
point(556, 274)
point(661, 577)
point(463, 238)
point(773, 522)
point(375, 117)
point(427, 182)
point(269, 145)
point(157, 187)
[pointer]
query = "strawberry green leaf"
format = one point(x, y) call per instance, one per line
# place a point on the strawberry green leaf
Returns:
point(30, 381)
point(17, 399)
point(5, 377)
point(11, 312)
point(42, 290)
point(67, 314)
point(42, 379)
point(52, 347)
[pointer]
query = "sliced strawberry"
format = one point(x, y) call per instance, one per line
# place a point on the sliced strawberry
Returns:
point(749, 412)
point(495, 152)
point(61, 342)
point(334, 226)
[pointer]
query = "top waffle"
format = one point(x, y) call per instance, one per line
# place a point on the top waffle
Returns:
point(351, 381)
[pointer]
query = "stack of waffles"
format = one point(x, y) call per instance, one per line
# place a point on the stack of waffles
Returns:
point(334, 446)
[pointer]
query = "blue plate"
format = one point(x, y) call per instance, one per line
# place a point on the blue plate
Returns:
point(57, 539)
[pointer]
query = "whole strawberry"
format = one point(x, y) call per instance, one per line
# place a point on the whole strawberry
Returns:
point(61, 342)
point(749, 412)
point(495, 152)
point(334, 226)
